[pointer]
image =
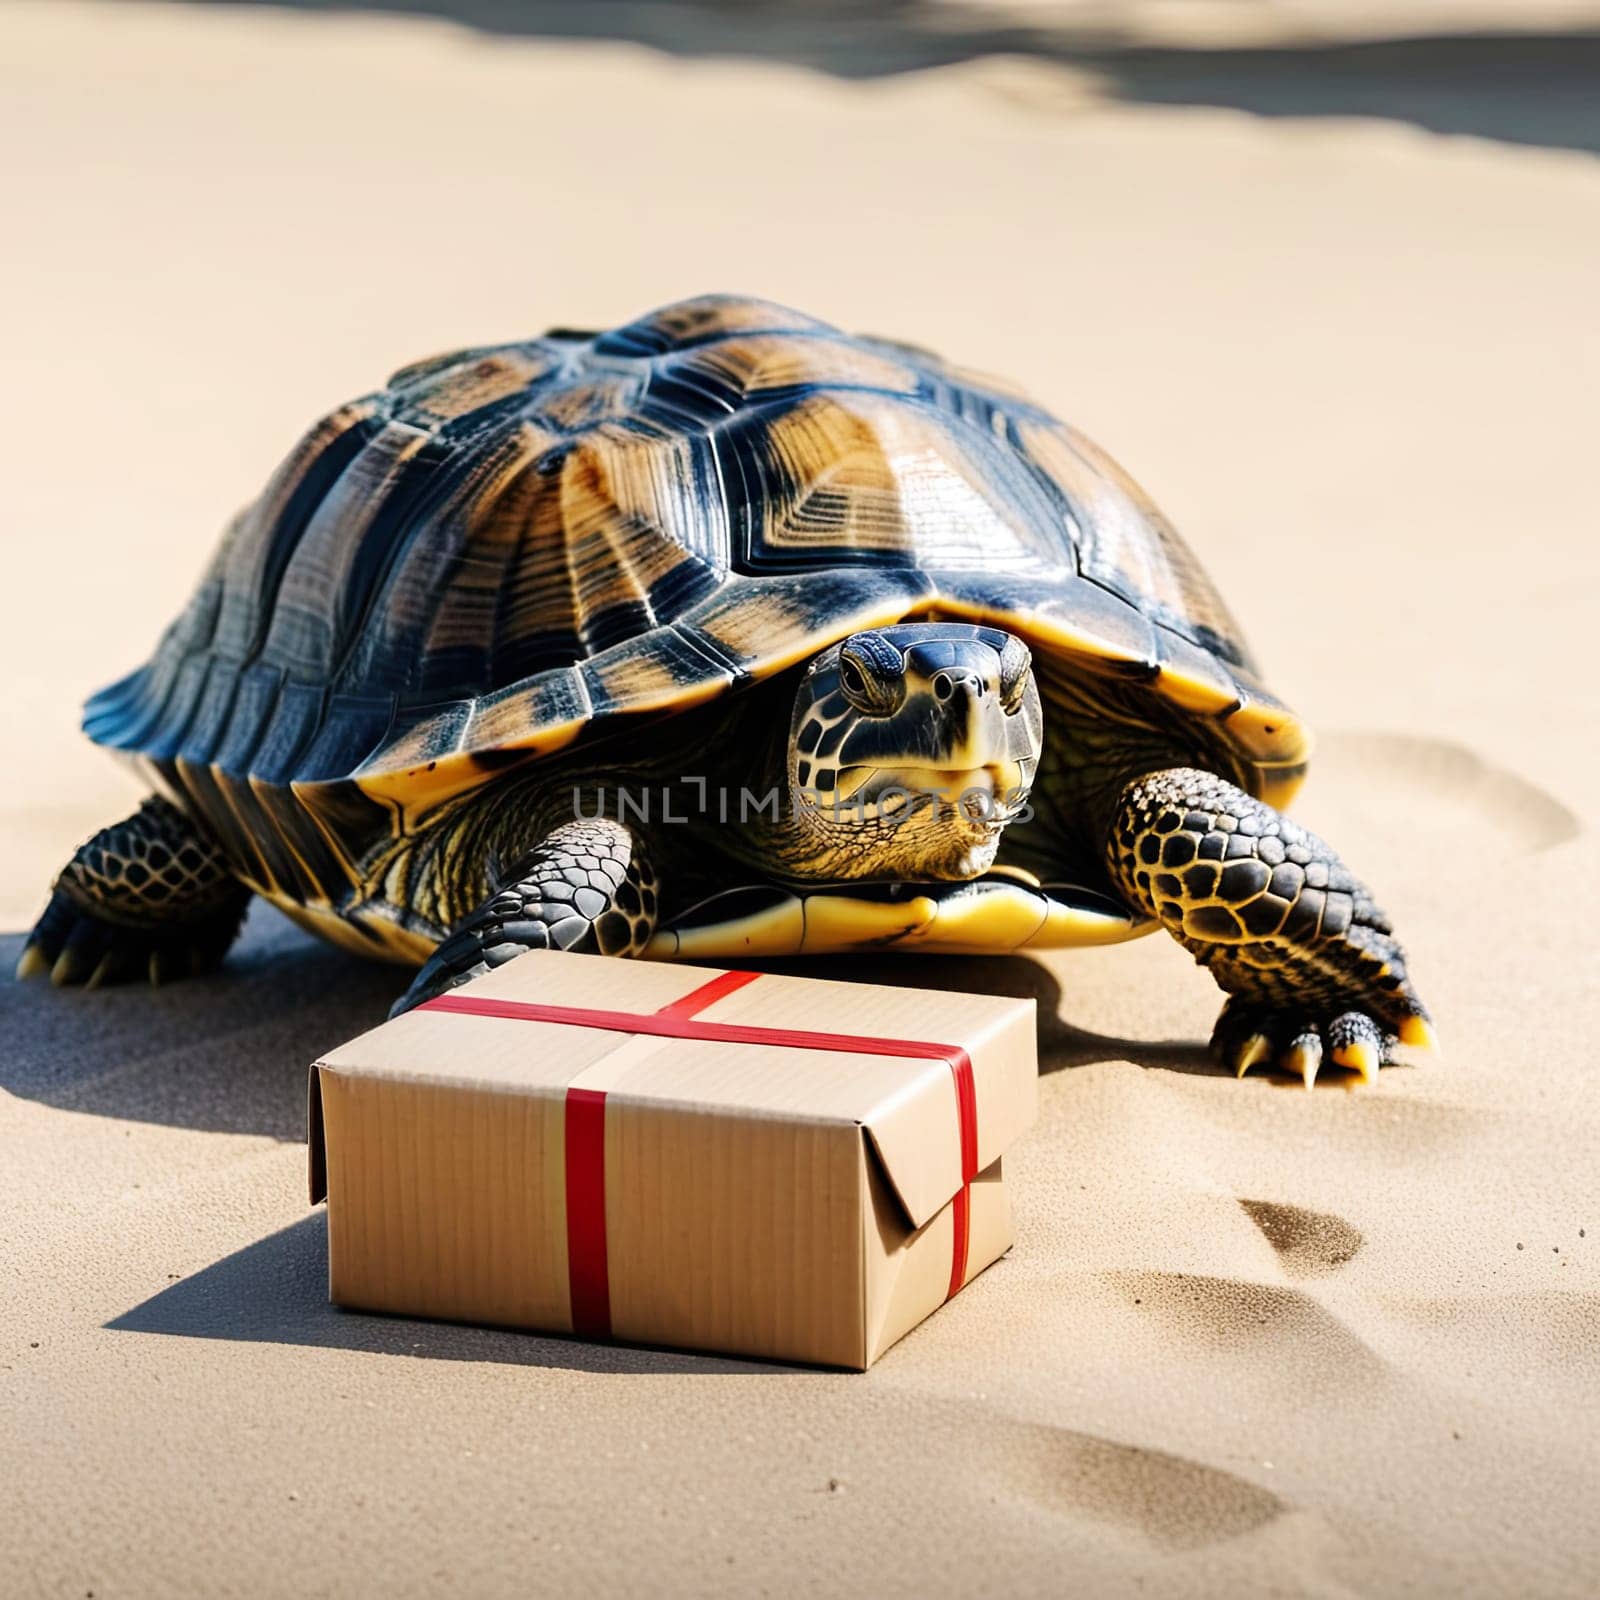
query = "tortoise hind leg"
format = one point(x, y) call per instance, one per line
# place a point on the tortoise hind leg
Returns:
point(151, 896)
point(587, 887)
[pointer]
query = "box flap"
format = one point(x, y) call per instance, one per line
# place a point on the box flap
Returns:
point(916, 1133)
point(916, 1139)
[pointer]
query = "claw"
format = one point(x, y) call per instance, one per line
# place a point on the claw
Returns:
point(158, 969)
point(1360, 1055)
point(1305, 1057)
point(1254, 1050)
point(1418, 1032)
point(101, 972)
point(32, 963)
point(68, 969)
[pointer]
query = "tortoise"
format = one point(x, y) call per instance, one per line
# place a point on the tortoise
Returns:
point(720, 635)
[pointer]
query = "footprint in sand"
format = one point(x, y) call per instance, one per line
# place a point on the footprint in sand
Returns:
point(1310, 1244)
point(1474, 792)
point(1261, 1320)
point(1364, 784)
point(1172, 1501)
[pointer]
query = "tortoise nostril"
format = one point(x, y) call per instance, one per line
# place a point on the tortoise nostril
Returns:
point(947, 682)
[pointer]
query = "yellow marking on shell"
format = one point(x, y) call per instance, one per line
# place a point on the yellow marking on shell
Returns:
point(1191, 693)
point(391, 944)
point(412, 792)
point(1003, 917)
point(777, 931)
point(509, 721)
point(306, 794)
point(1272, 727)
point(840, 922)
point(1035, 627)
point(636, 681)
point(768, 634)
point(1069, 927)
point(634, 676)
point(1016, 874)
point(416, 751)
point(469, 388)
point(224, 785)
point(1269, 733)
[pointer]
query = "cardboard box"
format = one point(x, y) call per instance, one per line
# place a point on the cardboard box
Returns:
point(673, 1155)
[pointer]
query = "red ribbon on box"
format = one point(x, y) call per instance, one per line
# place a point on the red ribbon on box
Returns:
point(586, 1112)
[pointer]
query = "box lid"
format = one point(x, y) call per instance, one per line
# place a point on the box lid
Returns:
point(754, 1045)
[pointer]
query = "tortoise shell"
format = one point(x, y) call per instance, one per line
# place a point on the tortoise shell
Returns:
point(511, 544)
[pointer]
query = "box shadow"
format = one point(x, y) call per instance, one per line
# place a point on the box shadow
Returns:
point(276, 1292)
point(228, 1053)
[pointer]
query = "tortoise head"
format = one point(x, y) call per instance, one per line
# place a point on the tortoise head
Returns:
point(910, 749)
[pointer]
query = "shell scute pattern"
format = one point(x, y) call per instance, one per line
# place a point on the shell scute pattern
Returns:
point(708, 316)
point(1125, 542)
point(510, 542)
point(840, 477)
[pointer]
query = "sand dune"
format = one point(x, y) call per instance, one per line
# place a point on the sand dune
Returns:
point(1251, 1339)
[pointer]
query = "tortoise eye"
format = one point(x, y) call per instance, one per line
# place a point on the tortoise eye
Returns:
point(1016, 662)
point(867, 687)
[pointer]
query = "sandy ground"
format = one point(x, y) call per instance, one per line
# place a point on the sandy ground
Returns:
point(1251, 1339)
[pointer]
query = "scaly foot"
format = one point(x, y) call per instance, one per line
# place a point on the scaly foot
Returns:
point(587, 887)
point(149, 897)
point(1249, 1035)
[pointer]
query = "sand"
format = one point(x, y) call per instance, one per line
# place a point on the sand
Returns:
point(1251, 1339)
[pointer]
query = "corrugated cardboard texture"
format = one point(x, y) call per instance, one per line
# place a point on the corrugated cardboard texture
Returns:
point(759, 1198)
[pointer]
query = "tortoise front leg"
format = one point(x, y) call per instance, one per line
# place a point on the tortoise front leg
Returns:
point(1310, 962)
point(150, 896)
point(587, 886)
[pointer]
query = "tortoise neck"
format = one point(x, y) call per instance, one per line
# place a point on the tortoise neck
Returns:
point(1101, 735)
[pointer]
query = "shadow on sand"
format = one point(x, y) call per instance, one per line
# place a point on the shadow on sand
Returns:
point(225, 1053)
point(1532, 88)
point(276, 1292)
point(229, 1053)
